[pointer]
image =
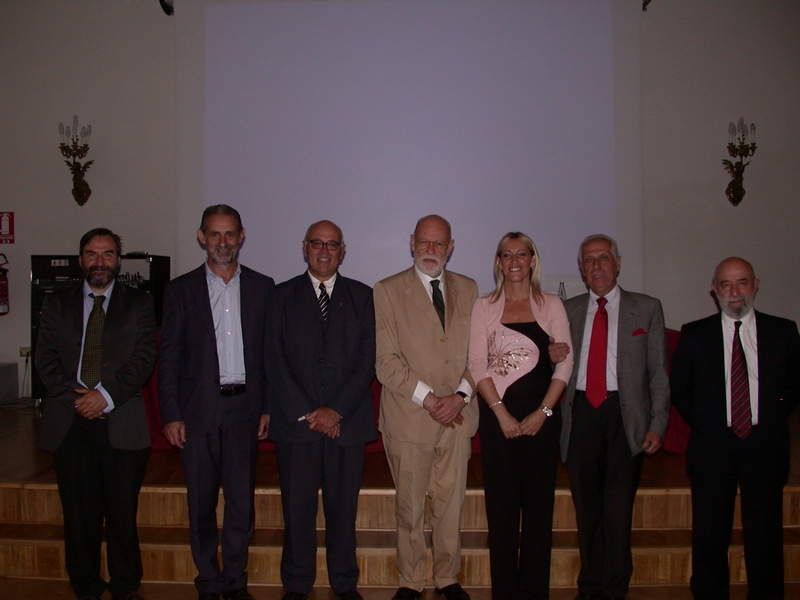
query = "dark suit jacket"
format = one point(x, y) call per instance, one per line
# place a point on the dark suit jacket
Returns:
point(188, 367)
point(323, 363)
point(698, 382)
point(641, 366)
point(129, 355)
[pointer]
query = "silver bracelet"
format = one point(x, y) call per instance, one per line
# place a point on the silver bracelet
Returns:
point(495, 404)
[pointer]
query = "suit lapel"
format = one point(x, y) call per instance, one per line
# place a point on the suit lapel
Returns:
point(340, 290)
point(625, 325)
point(74, 308)
point(202, 302)
point(308, 297)
point(113, 307)
point(417, 294)
point(716, 353)
point(451, 300)
point(577, 321)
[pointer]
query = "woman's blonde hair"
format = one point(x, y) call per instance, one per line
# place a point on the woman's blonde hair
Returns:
point(536, 271)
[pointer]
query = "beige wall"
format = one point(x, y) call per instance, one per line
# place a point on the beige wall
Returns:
point(704, 64)
point(113, 62)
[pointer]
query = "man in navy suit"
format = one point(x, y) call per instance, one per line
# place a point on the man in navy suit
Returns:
point(322, 413)
point(736, 379)
point(94, 418)
point(214, 396)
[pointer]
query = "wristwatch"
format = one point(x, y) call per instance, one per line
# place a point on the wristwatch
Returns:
point(464, 396)
point(547, 410)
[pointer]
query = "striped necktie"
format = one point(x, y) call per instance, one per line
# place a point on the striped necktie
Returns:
point(741, 423)
point(324, 301)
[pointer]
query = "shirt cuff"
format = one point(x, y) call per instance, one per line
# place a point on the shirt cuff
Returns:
point(465, 387)
point(420, 392)
point(107, 396)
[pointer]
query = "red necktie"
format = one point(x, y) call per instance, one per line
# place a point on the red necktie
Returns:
point(741, 423)
point(598, 349)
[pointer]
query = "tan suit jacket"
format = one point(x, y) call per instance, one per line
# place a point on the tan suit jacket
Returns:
point(412, 347)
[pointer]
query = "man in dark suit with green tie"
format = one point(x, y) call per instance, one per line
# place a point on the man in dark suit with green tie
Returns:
point(95, 351)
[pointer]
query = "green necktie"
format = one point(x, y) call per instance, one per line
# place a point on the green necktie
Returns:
point(438, 300)
point(93, 344)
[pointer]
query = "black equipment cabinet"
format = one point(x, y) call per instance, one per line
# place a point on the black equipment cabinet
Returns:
point(52, 273)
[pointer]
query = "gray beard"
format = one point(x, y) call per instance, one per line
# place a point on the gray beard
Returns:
point(739, 313)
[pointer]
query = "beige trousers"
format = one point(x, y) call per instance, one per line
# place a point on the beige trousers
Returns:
point(438, 470)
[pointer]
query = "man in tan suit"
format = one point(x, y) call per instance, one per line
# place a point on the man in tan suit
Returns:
point(428, 409)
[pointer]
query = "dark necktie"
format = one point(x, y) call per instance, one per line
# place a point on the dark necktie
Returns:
point(598, 350)
point(438, 300)
point(93, 344)
point(324, 301)
point(741, 423)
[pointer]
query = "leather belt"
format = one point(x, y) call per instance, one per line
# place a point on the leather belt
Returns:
point(233, 389)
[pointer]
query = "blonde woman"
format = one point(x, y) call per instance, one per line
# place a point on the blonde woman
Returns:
point(520, 421)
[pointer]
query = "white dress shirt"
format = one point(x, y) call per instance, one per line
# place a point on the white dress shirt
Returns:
point(225, 301)
point(328, 284)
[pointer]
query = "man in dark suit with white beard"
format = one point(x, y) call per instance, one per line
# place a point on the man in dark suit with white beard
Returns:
point(736, 379)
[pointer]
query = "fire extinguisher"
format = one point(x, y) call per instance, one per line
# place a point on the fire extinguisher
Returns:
point(3, 287)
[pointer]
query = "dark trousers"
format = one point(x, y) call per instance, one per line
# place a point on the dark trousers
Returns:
point(97, 482)
point(603, 478)
point(760, 470)
point(226, 455)
point(304, 468)
point(519, 478)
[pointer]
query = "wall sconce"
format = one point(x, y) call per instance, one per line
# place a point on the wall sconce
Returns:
point(735, 190)
point(80, 189)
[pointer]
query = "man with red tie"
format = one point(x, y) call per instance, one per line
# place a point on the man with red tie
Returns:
point(736, 379)
point(616, 407)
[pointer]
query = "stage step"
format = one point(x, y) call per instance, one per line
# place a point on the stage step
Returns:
point(661, 556)
point(31, 534)
point(655, 508)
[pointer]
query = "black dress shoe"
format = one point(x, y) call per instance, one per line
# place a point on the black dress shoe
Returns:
point(88, 597)
point(240, 594)
point(208, 597)
point(294, 596)
point(454, 591)
point(351, 595)
point(405, 593)
point(129, 596)
point(587, 596)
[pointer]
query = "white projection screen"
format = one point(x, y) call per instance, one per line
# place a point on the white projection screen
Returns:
point(499, 115)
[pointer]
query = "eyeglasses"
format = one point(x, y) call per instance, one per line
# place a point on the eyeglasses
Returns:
point(331, 245)
point(425, 244)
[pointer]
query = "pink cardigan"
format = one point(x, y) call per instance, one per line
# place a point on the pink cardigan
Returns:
point(486, 322)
